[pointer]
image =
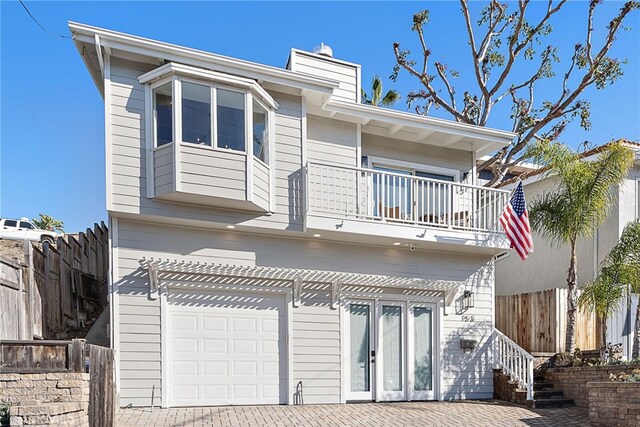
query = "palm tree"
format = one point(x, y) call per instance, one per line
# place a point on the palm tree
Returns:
point(578, 205)
point(376, 97)
point(603, 296)
point(47, 222)
point(620, 273)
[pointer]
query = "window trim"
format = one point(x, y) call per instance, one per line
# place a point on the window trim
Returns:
point(413, 167)
point(247, 118)
point(268, 129)
point(176, 93)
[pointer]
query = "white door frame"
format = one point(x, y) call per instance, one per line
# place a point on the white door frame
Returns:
point(381, 394)
point(363, 395)
point(436, 305)
point(421, 394)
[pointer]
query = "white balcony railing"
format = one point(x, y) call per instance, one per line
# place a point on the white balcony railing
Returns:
point(404, 199)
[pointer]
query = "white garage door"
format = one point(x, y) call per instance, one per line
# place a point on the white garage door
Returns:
point(226, 348)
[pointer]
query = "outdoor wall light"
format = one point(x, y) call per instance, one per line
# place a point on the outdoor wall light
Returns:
point(467, 300)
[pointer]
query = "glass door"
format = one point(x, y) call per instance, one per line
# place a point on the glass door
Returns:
point(391, 356)
point(361, 350)
point(421, 351)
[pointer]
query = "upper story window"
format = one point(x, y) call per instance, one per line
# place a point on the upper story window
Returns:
point(231, 119)
point(196, 113)
point(210, 109)
point(260, 132)
point(163, 111)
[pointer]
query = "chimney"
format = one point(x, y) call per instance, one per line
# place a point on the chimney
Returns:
point(321, 63)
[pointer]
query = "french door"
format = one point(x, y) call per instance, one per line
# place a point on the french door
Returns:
point(390, 350)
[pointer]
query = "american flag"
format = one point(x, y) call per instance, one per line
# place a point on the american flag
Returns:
point(515, 222)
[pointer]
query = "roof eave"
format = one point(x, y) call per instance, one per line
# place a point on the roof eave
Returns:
point(170, 52)
point(493, 138)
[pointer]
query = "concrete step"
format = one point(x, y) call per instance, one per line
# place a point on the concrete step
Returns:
point(548, 394)
point(542, 386)
point(552, 403)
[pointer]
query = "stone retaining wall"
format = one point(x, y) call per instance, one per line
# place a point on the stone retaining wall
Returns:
point(614, 404)
point(573, 381)
point(46, 399)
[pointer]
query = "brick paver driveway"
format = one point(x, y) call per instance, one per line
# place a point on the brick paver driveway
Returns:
point(403, 414)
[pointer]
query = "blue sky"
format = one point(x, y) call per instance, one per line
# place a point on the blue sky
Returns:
point(51, 118)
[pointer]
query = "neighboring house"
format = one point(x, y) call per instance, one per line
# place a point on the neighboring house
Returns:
point(547, 267)
point(272, 238)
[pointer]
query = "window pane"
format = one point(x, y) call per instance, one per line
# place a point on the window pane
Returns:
point(10, 223)
point(164, 114)
point(392, 348)
point(25, 225)
point(230, 120)
point(260, 132)
point(423, 369)
point(196, 113)
point(359, 329)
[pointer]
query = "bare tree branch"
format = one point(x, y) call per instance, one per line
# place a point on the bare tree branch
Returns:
point(507, 36)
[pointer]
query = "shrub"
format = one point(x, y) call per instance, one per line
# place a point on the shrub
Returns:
point(5, 407)
point(623, 377)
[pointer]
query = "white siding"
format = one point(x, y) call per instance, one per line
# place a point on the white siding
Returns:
point(261, 184)
point(315, 325)
point(331, 141)
point(128, 159)
point(316, 347)
point(163, 169)
point(345, 74)
point(216, 173)
point(412, 152)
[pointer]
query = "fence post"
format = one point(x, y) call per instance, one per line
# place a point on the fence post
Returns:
point(27, 287)
point(46, 312)
point(76, 355)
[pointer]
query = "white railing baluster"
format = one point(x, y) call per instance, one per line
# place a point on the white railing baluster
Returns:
point(405, 199)
point(514, 361)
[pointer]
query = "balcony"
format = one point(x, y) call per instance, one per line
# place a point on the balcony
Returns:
point(403, 209)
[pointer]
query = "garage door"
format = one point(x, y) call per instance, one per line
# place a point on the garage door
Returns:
point(226, 348)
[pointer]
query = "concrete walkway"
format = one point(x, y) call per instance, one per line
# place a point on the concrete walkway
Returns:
point(402, 414)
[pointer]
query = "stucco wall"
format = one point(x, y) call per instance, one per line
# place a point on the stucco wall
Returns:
point(547, 267)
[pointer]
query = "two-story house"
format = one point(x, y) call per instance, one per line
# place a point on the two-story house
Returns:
point(272, 238)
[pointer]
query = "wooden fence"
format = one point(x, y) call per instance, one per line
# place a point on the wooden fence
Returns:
point(101, 387)
point(44, 356)
point(537, 321)
point(55, 286)
point(11, 300)
point(41, 356)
